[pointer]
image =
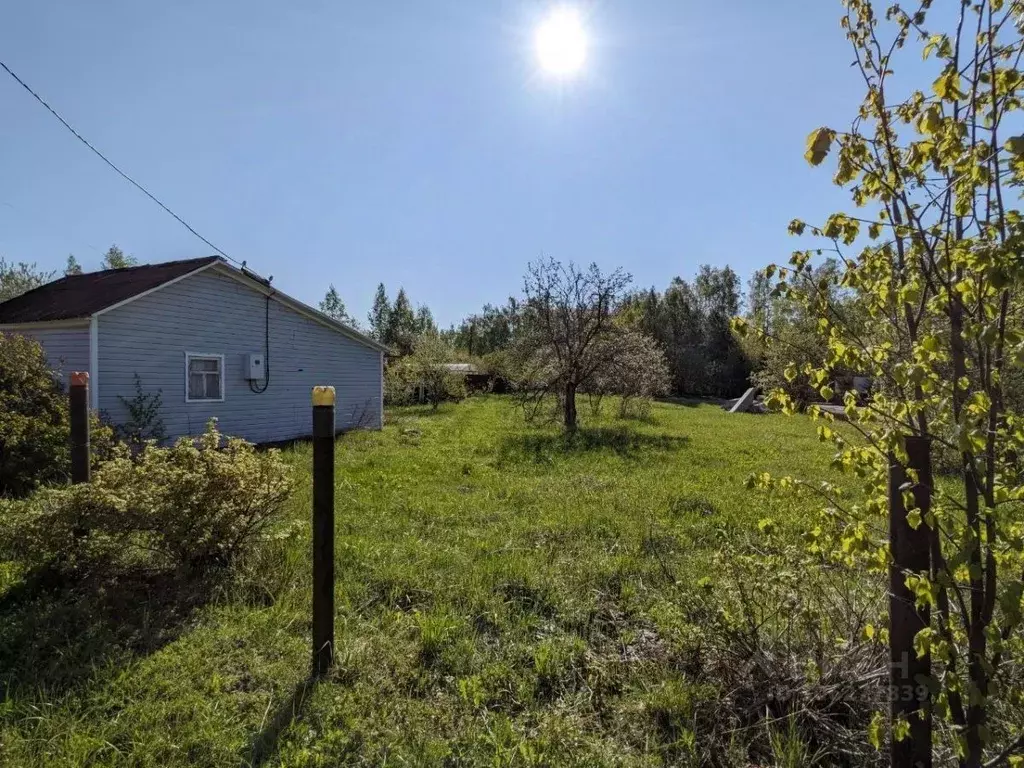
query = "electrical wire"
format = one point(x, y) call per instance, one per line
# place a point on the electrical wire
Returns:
point(259, 390)
point(121, 173)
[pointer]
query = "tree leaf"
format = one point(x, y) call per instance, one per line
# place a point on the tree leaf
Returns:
point(1015, 145)
point(818, 145)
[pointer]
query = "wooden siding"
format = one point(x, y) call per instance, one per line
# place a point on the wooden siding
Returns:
point(214, 314)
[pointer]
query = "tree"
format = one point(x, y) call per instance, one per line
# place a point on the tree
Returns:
point(333, 306)
point(691, 323)
point(428, 368)
point(71, 266)
point(760, 302)
point(492, 330)
point(16, 279)
point(568, 332)
point(787, 336)
point(402, 328)
point(636, 371)
point(425, 320)
point(380, 314)
point(939, 283)
point(115, 258)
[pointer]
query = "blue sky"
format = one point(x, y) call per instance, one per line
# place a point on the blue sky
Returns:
point(416, 142)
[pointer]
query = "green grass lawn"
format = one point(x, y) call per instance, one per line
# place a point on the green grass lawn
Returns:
point(503, 599)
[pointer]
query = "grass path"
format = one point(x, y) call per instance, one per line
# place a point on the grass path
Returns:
point(503, 599)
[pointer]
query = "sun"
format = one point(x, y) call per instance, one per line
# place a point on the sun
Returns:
point(561, 43)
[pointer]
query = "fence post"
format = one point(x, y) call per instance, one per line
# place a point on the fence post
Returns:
point(323, 529)
point(911, 552)
point(79, 404)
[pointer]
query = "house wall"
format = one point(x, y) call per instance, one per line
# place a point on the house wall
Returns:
point(211, 313)
point(67, 349)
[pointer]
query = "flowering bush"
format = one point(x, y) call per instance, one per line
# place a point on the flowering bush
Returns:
point(198, 503)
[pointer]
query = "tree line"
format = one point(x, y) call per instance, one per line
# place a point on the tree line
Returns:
point(689, 321)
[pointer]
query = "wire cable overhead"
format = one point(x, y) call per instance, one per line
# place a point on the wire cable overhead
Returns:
point(106, 160)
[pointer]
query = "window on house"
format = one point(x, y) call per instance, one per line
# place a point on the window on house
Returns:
point(204, 377)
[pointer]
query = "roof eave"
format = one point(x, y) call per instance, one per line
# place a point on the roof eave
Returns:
point(300, 307)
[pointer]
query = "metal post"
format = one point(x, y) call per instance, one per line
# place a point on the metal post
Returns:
point(323, 528)
point(911, 550)
point(79, 403)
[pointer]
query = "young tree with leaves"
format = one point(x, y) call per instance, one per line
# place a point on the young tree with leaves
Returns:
point(333, 306)
point(936, 173)
point(16, 279)
point(115, 258)
point(71, 266)
point(425, 320)
point(402, 328)
point(427, 367)
point(380, 314)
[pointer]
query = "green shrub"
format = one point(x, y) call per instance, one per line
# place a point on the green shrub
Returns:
point(33, 418)
point(35, 430)
point(424, 375)
point(399, 387)
point(59, 527)
point(144, 420)
point(199, 503)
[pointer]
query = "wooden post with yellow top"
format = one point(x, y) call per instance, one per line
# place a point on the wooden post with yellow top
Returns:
point(323, 529)
point(79, 404)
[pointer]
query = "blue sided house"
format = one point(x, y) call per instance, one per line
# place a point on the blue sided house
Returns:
point(215, 341)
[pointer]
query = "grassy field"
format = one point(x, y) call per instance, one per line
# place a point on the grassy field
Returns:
point(504, 598)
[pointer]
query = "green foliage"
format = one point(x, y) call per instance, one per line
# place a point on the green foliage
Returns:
point(396, 325)
point(491, 331)
point(428, 365)
point(783, 338)
point(425, 320)
point(691, 323)
point(71, 266)
point(16, 279)
point(399, 386)
point(939, 327)
point(379, 314)
point(402, 328)
point(333, 306)
point(199, 503)
point(61, 528)
point(34, 431)
point(115, 258)
point(144, 421)
point(424, 375)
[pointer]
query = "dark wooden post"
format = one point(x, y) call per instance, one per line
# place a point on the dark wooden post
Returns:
point(79, 403)
point(910, 551)
point(323, 529)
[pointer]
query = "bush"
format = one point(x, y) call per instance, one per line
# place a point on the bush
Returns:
point(144, 420)
point(195, 504)
point(59, 528)
point(34, 428)
point(784, 660)
point(424, 375)
point(636, 370)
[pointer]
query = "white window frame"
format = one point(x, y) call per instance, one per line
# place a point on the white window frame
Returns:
point(189, 357)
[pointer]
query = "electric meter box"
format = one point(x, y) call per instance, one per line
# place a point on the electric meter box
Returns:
point(255, 367)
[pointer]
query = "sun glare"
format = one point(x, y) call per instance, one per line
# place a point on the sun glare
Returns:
point(561, 43)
